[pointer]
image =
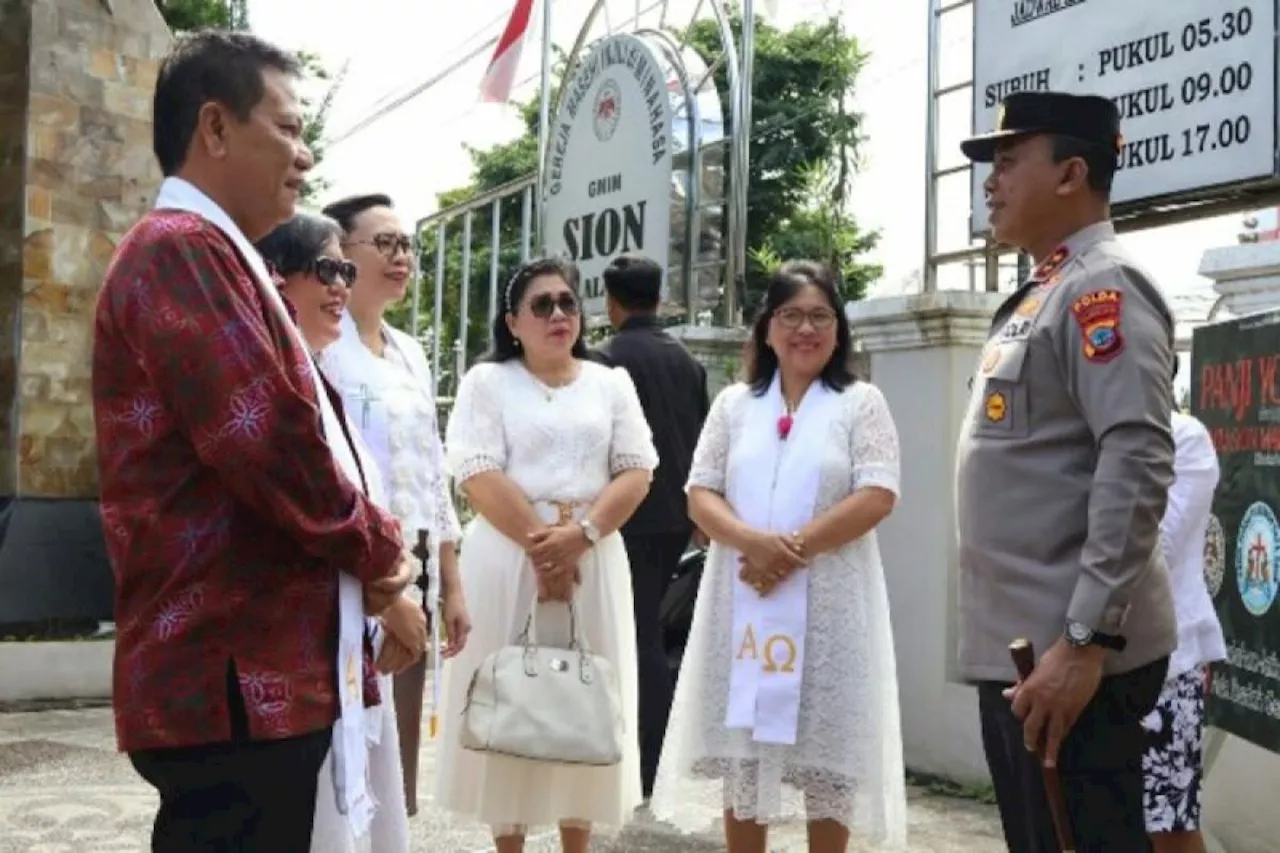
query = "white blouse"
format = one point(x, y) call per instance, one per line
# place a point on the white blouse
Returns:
point(562, 444)
point(391, 400)
point(1182, 537)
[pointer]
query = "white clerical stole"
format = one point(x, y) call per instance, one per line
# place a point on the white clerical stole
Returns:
point(773, 485)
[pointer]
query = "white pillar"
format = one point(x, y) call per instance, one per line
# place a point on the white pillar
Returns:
point(718, 348)
point(1247, 276)
point(922, 350)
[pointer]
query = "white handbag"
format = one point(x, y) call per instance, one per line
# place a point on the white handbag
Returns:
point(559, 706)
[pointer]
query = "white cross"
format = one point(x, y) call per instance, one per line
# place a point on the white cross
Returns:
point(367, 399)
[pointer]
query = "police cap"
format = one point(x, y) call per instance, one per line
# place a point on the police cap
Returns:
point(1087, 118)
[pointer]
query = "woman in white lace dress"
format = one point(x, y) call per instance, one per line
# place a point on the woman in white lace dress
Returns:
point(554, 454)
point(390, 395)
point(787, 702)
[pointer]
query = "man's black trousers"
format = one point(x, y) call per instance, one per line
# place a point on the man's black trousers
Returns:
point(1100, 765)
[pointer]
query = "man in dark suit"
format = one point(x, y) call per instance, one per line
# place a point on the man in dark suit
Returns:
point(672, 387)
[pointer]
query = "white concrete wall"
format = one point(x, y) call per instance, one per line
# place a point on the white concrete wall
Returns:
point(922, 353)
point(62, 670)
point(1240, 798)
point(925, 389)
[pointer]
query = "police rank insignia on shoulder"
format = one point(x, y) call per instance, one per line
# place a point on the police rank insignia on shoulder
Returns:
point(1097, 314)
point(1050, 265)
point(996, 407)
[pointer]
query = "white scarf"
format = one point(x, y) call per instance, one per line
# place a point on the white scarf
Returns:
point(350, 752)
point(352, 361)
point(773, 485)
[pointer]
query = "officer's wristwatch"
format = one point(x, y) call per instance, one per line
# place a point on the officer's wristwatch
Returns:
point(589, 530)
point(1080, 635)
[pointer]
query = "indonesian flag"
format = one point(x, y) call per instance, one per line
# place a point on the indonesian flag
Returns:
point(501, 74)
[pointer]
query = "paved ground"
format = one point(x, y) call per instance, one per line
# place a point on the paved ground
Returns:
point(64, 789)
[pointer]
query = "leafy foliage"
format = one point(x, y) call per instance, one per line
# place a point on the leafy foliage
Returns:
point(188, 15)
point(804, 152)
point(185, 16)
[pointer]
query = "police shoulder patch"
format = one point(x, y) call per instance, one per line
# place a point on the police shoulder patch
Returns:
point(1097, 313)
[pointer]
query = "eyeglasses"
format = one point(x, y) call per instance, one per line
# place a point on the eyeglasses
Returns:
point(793, 318)
point(544, 305)
point(386, 244)
point(331, 271)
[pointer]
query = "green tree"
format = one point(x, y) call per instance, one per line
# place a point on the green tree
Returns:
point(804, 152)
point(188, 15)
point(184, 16)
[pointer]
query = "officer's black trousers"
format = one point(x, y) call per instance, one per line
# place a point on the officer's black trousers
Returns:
point(1100, 766)
point(654, 558)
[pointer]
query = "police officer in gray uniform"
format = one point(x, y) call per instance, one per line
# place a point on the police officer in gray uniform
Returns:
point(1064, 463)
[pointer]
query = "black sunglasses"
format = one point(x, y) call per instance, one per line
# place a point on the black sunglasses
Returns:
point(331, 271)
point(544, 305)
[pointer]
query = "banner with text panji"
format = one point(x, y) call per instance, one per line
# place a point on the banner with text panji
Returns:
point(1194, 80)
point(1235, 392)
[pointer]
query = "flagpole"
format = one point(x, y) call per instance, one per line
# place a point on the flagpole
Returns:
point(544, 118)
point(733, 310)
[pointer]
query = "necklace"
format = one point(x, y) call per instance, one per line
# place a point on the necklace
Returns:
point(549, 389)
point(786, 421)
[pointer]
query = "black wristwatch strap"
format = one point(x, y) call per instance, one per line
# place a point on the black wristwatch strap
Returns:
point(1080, 635)
point(1111, 642)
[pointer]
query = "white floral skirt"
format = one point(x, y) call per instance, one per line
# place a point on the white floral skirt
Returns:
point(1173, 765)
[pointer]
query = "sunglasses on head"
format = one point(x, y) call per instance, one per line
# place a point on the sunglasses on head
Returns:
point(332, 271)
point(544, 305)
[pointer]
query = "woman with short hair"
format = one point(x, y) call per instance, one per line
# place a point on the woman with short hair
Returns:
point(315, 281)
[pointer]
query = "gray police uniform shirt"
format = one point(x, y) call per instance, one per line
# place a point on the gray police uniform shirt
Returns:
point(1064, 464)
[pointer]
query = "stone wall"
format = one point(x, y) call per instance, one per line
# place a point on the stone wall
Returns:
point(85, 175)
point(15, 24)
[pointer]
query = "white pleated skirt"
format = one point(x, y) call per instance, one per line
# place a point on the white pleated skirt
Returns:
point(502, 791)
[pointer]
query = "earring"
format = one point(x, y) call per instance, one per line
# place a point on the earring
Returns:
point(517, 342)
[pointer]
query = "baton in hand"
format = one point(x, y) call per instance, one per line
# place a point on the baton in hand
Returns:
point(1024, 658)
point(431, 603)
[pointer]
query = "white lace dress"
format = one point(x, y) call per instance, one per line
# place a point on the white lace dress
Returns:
point(558, 445)
point(846, 764)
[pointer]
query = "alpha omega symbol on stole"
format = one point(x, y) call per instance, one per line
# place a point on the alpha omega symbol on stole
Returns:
point(353, 679)
point(775, 645)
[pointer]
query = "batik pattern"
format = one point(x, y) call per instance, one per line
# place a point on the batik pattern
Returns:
point(225, 517)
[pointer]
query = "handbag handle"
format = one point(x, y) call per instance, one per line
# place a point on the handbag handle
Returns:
point(528, 636)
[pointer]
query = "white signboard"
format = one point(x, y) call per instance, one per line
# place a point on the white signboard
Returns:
point(608, 178)
point(1195, 82)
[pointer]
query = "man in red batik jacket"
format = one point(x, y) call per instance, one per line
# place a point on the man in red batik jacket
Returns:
point(227, 519)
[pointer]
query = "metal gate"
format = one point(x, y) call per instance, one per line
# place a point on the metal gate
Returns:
point(712, 225)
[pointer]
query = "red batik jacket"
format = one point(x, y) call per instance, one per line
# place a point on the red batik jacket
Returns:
point(226, 519)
